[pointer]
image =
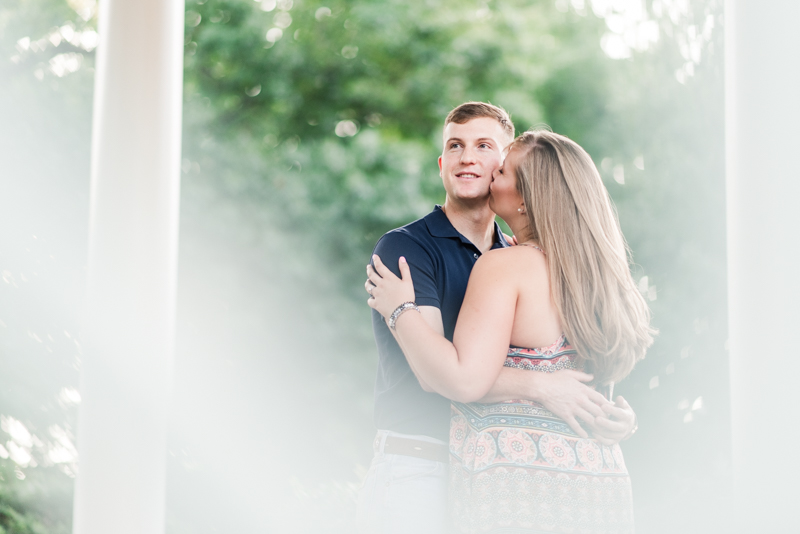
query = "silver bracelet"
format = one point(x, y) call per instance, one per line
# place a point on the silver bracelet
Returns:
point(399, 311)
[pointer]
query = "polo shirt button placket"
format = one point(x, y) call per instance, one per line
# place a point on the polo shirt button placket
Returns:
point(475, 255)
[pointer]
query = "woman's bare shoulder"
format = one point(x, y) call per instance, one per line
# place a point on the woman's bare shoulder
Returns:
point(510, 255)
point(508, 261)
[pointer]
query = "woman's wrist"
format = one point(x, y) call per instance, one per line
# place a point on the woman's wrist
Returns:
point(399, 311)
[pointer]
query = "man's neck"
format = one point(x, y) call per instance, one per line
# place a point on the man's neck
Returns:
point(475, 222)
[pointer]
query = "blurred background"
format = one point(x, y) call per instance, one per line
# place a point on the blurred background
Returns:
point(311, 127)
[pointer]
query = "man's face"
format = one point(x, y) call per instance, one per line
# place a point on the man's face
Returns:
point(471, 153)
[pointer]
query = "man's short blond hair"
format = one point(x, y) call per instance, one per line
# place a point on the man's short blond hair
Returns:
point(474, 110)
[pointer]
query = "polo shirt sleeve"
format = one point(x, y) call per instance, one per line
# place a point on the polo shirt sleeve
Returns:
point(395, 244)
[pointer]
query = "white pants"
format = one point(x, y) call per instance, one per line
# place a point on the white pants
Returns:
point(403, 494)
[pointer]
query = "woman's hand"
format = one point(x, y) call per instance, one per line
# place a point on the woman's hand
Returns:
point(387, 291)
point(511, 239)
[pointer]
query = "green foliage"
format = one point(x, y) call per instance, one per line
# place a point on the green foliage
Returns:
point(34, 504)
point(394, 70)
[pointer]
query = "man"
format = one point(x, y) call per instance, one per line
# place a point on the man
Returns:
point(406, 488)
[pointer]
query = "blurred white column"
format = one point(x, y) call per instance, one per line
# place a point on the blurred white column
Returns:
point(130, 307)
point(762, 90)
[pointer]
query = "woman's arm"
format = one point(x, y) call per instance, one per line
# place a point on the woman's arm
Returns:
point(433, 317)
point(471, 368)
point(390, 247)
point(466, 369)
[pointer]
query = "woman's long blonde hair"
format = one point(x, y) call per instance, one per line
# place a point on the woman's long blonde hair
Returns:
point(571, 215)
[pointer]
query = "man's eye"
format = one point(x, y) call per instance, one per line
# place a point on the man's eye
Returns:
point(455, 145)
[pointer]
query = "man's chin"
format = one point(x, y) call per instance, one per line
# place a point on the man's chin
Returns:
point(472, 200)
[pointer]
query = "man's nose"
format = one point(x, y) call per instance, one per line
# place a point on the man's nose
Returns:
point(468, 156)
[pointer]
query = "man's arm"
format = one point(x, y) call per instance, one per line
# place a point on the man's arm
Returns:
point(564, 393)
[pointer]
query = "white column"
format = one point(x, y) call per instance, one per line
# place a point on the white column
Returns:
point(762, 90)
point(130, 306)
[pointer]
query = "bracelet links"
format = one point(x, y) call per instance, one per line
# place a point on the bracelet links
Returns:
point(399, 311)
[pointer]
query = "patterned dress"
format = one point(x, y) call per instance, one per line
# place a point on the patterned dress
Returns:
point(516, 467)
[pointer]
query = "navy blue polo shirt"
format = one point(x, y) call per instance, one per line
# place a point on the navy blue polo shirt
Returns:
point(441, 260)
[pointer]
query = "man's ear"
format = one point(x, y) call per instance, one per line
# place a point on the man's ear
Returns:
point(440, 165)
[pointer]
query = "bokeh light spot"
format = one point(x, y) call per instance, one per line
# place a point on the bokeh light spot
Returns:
point(349, 51)
point(282, 20)
point(346, 128)
point(322, 12)
point(274, 35)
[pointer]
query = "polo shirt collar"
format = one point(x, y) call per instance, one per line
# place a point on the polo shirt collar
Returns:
point(440, 226)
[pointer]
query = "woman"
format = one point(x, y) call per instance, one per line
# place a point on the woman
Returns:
point(566, 291)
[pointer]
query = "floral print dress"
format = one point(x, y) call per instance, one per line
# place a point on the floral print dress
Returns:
point(516, 467)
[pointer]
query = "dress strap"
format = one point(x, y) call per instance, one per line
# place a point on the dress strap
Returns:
point(534, 246)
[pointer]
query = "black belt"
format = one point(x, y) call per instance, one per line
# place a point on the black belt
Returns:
point(417, 449)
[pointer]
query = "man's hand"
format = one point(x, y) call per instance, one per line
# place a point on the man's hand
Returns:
point(619, 423)
point(566, 394)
